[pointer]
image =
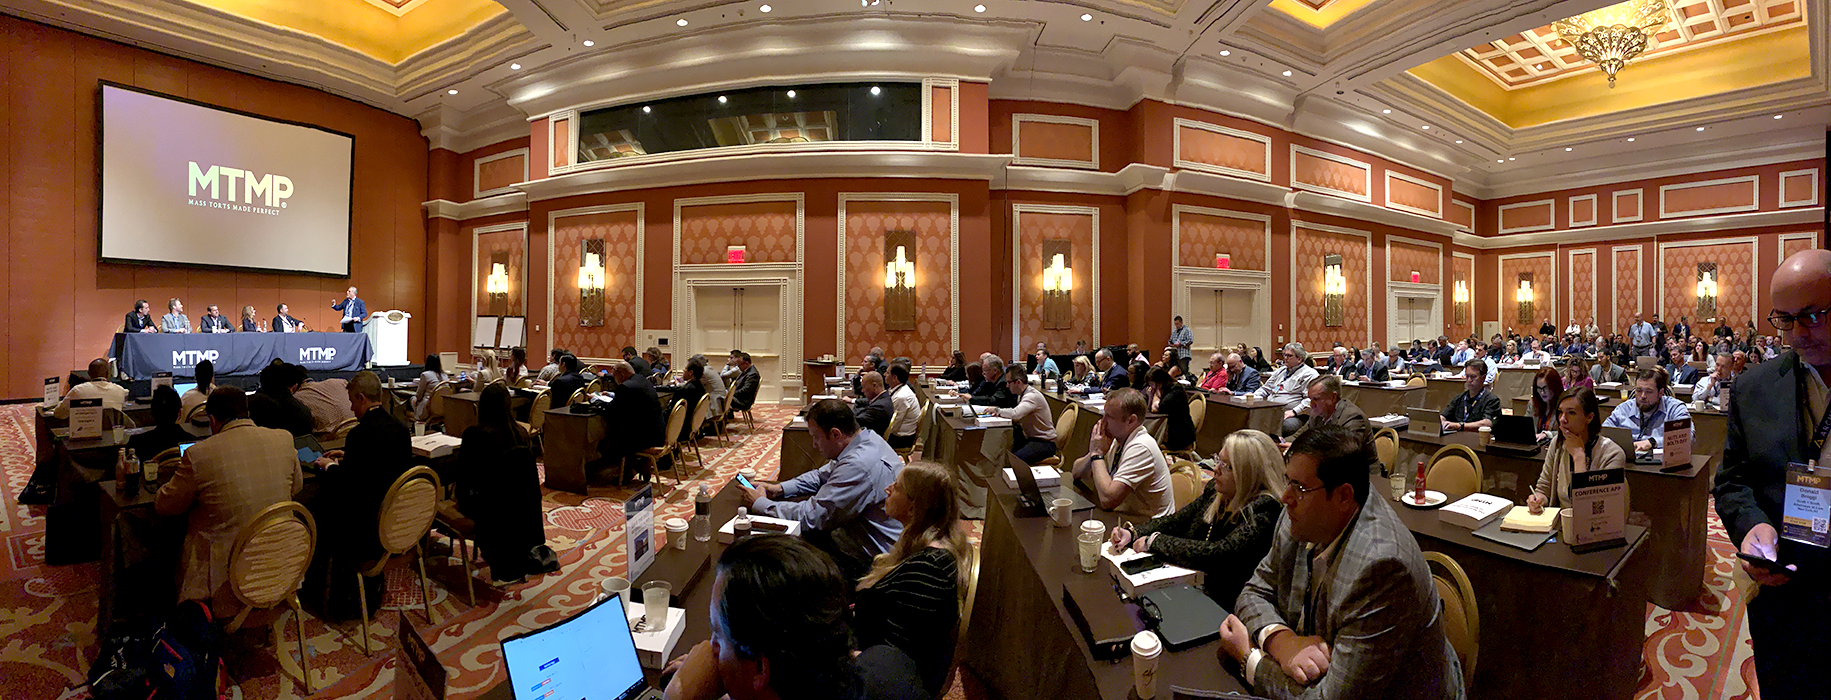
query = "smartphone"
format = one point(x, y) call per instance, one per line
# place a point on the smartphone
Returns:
point(1133, 567)
point(1764, 563)
point(744, 482)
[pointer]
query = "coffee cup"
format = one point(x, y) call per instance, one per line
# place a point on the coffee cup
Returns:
point(677, 532)
point(1094, 526)
point(419, 428)
point(748, 473)
point(1566, 525)
point(615, 585)
point(1697, 405)
point(1146, 648)
point(1061, 511)
point(1486, 434)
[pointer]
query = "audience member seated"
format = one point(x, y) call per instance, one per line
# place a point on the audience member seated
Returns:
point(1370, 368)
point(911, 597)
point(166, 433)
point(902, 435)
point(346, 500)
point(552, 370)
point(1045, 365)
point(518, 367)
point(488, 479)
point(140, 320)
point(1123, 462)
point(992, 391)
point(1493, 367)
point(1138, 375)
point(1713, 389)
point(691, 389)
point(1574, 375)
point(1034, 437)
point(637, 412)
point(98, 387)
point(1338, 358)
point(1112, 374)
point(1215, 378)
point(1605, 370)
point(328, 400)
point(274, 406)
point(1327, 407)
point(1680, 369)
point(205, 373)
point(1537, 353)
point(1547, 386)
point(433, 373)
point(1084, 373)
point(1169, 362)
point(657, 364)
point(744, 388)
point(1242, 378)
point(873, 407)
point(174, 320)
point(1577, 447)
point(1225, 532)
point(870, 363)
point(1476, 407)
point(636, 363)
point(1168, 398)
point(1343, 606)
point(487, 371)
point(569, 381)
point(956, 370)
point(781, 628)
point(224, 481)
point(1645, 417)
point(841, 506)
point(1289, 385)
point(714, 386)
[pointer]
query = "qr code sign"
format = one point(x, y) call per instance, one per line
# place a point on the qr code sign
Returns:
point(1819, 525)
point(1597, 508)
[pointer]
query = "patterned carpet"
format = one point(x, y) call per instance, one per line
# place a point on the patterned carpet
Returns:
point(47, 614)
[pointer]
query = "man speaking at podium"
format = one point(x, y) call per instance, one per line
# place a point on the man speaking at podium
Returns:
point(354, 312)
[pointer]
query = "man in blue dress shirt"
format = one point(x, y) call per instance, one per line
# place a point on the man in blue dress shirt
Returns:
point(1645, 418)
point(841, 504)
point(354, 311)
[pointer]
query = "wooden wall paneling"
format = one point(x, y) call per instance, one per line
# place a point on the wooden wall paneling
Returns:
point(41, 204)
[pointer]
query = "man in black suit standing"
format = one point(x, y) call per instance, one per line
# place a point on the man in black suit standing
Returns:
point(873, 408)
point(744, 388)
point(635, 410)
point(346, 500)
point(1777, 417)
point(140, 320)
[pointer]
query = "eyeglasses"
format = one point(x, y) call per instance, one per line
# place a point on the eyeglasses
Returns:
point(1304, 490)
point(1809, 319)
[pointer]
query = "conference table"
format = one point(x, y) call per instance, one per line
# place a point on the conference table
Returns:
point(1226, 414)
point(1073, 445)
point(140, 355)
point(569, 446)
point(1377, 399)
point(973, 452)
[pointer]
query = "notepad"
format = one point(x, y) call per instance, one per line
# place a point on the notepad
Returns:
point(1521, 519)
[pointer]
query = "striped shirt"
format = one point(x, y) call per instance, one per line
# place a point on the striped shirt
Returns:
point(915, 608)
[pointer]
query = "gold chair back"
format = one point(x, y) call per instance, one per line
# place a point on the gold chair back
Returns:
point(677, 418)
point(1417, 380)
point(343, 429)
point(1455, 470)
point(1461, 615)
point(435, 404)
point(408, 509)
point(537, 412)
point(1386, 443)
point(700, 409)
point(271, 554)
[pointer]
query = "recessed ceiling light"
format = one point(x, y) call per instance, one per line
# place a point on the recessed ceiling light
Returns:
point(589, 43)
point(681, 22)
point(791, 94)
point(645, 109)
point(1287, 74)
point(514, 66)
point(1087, 18)
point(1630, 139)
point(1777, 116)
point(1385, 111)
point(765, 8)
point(1511, 158)
point(1458, 140)
point(875, 90)
point(1568, 149)
point(1500, 161)
point(1226, 53)
point(1700, 128)
point(978, 8)
point(451, 92)
point(721, 99)
point(1426, 127)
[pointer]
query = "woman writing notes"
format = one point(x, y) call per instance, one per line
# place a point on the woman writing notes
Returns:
point(1577, 448)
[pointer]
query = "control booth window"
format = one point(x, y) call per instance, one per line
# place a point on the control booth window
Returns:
point(769, 115)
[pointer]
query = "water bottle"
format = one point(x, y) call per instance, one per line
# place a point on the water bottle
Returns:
point(702, 515)
point(740, 527)
point(151, 474)
point(120, 465)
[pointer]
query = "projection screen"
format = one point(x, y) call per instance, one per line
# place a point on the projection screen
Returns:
point(193, 185)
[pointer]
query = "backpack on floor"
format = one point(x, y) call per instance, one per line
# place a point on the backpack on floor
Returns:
point(175, 658)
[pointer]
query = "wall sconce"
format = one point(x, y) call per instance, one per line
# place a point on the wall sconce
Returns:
point(1058, 284)
point(899, 281)
point(496, 284)
point(1334, 291)
point(1461, 299)
point(1523, 295)
point(1707, 291)
point(591, 282)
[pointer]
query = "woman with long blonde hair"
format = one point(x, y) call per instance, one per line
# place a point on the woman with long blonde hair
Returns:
point(912, 596)
point(1226, 530)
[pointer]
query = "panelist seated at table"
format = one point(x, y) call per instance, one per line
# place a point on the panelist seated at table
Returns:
point(1476, 407)
point(283, 322)
point(354, 311)
point(992, 391)
point(1327, 407)
point(1226, 531)
point(840, 505)
point(1578, 447)
point(1343, 606)
point(1034, 439)
point(1645, 417)
point(223, 482)
point(781, 628)
point(140, 320)
point(98, 387)
point(213, 321)
point(911, 597)
point(1123, 463)
point(1168, 398)
point(1289, 385)
point(250, 324)
point(174, 320)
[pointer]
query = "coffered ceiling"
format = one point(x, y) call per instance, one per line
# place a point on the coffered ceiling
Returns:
point(1481, 91)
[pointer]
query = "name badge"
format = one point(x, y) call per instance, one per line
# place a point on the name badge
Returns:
point(1807, 515)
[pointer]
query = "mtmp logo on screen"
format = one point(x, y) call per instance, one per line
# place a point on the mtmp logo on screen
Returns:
point(235, 186)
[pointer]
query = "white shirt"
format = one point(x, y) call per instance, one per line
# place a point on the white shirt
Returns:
point(112, 395)
point(1573, 329)
point(1139, 463)
point(1289, 387)
point(904, 400)
point(1031, 415)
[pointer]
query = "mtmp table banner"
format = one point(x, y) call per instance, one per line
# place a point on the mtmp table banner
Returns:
point(142, 354)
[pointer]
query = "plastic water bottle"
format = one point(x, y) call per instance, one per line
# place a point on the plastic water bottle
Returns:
point(740, 527)
point(702, 514)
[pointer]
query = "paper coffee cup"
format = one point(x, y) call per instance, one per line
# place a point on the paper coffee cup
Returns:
point(1146, 648)
point(748, 473)
point(615, 585)
point(677, 532)
point(1566, 525)
point(419, 428)
point(1061, 511)
point(1486, 434)
point(1094, 526)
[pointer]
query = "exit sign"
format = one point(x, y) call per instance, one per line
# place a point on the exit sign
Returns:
point(1223, 261)
point(734, 254)
point(1415, 276)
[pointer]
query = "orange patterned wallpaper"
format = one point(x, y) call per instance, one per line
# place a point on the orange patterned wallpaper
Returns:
point(1542, 284)
point(621, 298)
point(1222, 150)
point(1322, 172)
point(1726, 195)
point(1055, 141)
point(1032, 230)
point(1462, 268)
point(1791, 246)
point(931, 343)
point(766, 229)
point(500, 173)
point(1410, 194)
point(1582, 291)
point(1203, 235)
point(1735, 280)
point(1627, 290)
point(1526, 217)
point(1310, 247)
point(1407, 258)
point(513, 243)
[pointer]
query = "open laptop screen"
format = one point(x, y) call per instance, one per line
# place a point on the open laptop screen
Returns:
point(589, 655)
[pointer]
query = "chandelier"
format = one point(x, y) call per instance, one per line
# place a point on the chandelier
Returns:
point(1614, 35)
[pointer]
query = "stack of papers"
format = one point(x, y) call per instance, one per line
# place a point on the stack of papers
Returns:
point(1521, 519)
point(1394, 421)
point(1474, 510)
point(1160, 577)
point(994, 422)
point(435, 445)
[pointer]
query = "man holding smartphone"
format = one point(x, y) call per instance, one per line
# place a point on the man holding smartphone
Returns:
point(1778, 418)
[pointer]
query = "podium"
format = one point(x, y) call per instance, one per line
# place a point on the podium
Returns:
point(387, 331)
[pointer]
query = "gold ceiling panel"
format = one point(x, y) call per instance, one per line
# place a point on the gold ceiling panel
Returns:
point(1538, 56)
point(389, 30)
point(1319, 13)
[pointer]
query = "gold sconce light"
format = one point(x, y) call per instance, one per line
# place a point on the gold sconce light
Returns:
point(591, 282)
point(1461, 299)
point(899, 281)
point(1523, 295)
point(1058, 284)
point(497, 284)
point(1707, 291)
point(1334, 291)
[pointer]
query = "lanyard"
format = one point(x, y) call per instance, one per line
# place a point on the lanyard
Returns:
point(1824, 429)
point(1470, 405)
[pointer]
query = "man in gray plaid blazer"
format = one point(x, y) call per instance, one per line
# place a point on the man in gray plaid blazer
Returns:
point(1343, 605)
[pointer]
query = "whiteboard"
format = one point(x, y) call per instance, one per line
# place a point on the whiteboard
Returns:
point(484, 334)
point(513, 331)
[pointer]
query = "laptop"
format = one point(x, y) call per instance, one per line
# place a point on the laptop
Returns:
point(589, 655)
point(1625, 439)
point(1515, 432)
point(182, 389)
point(1424, 422)
point(1645, 363)
point(1031, 502)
